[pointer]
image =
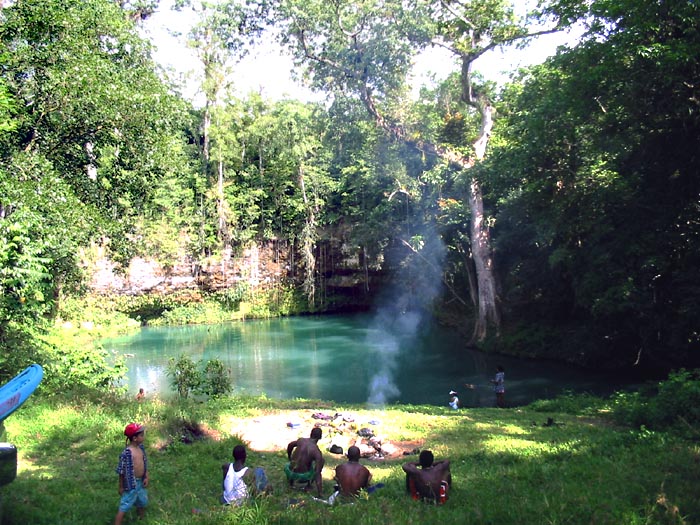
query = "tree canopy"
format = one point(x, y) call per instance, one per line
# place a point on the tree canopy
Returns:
point(566, 201)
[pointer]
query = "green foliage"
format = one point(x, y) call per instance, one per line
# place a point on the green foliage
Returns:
point(93, 317)
point(602, 193)
point(673, 402)
point(679, 397)
point(70, 362)
point(41, 227)
point(216, 379)
point(71, 174)
point(187, 376)
point(115, 111)
point(280, 300)
point(230, 298)
point(69, 368)
point(6, 108)
point(183, 307)
point(24, 276)
point(193, 313)
point(20, 346)
point(184, 375)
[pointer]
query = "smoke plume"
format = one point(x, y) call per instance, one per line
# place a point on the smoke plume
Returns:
point(401, 311)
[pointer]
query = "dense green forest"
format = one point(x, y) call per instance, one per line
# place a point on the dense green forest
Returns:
point(560, 212)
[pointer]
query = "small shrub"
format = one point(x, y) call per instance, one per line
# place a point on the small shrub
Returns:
point(184, 375)
point(674, 402)
point(230, 298)
point(216, 379)
point(630, 408)
point(678, 398)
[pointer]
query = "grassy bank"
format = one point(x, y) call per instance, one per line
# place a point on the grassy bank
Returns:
point(520, 465)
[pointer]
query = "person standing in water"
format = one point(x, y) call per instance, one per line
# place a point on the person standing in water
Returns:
point(499, 387)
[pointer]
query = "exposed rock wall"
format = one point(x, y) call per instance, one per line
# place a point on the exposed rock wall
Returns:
point(254, 266)
point(343, 277)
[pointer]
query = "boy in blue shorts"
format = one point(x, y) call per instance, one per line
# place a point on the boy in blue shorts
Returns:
point(133, 473)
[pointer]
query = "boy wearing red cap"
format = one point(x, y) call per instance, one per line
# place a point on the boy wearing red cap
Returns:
point(133, 473)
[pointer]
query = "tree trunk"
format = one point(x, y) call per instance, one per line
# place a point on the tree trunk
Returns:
point(308, 243)
point(488, 314)
point(221, 204)
point(488, 311)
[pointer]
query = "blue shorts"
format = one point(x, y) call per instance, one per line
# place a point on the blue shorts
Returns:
point(137, 496)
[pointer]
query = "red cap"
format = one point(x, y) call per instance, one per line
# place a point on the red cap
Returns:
point(132, 429)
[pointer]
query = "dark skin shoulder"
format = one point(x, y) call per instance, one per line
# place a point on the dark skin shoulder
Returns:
point(304, 452)
point(237, 466)
point(428, 480)
point(352, 477)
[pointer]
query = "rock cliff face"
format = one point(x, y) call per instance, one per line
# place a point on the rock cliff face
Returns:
point(342, 279)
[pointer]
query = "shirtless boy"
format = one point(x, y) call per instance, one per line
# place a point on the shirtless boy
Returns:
point(305, 461)
point(352, 476)
point(133, 473)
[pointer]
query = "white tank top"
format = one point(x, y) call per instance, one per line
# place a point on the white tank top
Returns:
point(235, 489)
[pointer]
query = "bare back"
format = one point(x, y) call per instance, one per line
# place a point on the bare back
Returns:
point(428, 480)
point(304, 452)
point(352, 477)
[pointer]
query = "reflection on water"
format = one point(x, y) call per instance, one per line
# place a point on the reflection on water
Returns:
point(335, 358)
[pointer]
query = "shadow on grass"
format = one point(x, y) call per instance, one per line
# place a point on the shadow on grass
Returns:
point(508, 466)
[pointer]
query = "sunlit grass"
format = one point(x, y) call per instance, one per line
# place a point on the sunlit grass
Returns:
point(508, 466)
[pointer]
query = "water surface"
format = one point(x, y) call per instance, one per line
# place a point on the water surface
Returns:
point(347, 358)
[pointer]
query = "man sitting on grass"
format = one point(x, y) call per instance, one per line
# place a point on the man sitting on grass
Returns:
point(305, 461)
point(431, 482)
point(351, 476)
point(237, 477)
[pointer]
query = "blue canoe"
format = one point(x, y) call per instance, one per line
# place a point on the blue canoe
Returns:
point(16, 392)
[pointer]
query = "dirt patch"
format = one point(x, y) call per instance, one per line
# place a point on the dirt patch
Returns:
point(269, 432)
point(187, 432)
point(272, 432)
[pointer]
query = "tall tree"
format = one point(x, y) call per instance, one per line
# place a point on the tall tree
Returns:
point(90, 97)
point(366, 48)
point(218, 38)
point(90, 125)
point(601, 190)
point(287, 154)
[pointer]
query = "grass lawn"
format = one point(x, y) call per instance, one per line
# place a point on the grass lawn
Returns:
point(508, 466)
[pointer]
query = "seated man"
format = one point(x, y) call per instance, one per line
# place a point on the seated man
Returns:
point(454, 400)
point(352, 476)
point(432, 481)
point(237, 477)
point(305, 461)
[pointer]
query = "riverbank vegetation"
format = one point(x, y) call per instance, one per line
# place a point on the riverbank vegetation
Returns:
point(575, 460)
